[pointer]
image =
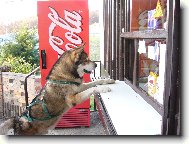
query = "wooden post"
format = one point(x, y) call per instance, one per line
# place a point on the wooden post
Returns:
point(135, 62)
point(1, 94)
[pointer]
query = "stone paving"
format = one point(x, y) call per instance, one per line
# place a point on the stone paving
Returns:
point(96, 128)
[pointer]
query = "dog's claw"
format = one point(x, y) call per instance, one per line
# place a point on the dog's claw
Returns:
point(111, 81)
point(104, 81)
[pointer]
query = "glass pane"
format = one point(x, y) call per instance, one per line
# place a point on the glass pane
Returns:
point(152, 67)
point(148, 14)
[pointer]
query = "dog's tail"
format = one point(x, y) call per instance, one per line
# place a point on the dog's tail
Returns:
point(6, 126)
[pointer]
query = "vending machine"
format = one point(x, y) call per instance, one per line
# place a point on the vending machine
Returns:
point(63, 25)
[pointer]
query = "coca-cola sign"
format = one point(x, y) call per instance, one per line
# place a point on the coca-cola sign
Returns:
point(71, 22)
point(62, 25)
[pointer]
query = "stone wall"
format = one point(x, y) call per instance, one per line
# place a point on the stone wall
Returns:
point(13, 87)
point(2, 69)
point(1, 96)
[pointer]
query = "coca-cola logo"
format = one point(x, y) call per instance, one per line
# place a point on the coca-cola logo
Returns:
point(71, 23)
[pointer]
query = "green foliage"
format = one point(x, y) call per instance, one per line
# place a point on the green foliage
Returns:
point(21, 51)
point(94, 47)
point(92, 106)
point(18, 65)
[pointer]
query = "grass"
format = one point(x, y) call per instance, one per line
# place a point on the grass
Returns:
point(92, 103)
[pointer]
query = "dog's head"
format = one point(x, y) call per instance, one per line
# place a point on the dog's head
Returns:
point(82, 61)
point(73, 62)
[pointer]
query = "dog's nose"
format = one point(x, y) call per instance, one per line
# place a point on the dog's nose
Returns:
point(95, 65)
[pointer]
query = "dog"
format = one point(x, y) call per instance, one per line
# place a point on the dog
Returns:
point(63, 90)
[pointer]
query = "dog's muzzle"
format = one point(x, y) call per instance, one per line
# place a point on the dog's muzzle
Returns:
point(95, 65)
point(89, 72)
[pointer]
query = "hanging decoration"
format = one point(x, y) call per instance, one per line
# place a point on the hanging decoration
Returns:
point(158, 11)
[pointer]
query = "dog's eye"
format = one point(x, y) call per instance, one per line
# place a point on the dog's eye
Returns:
point(86, 60)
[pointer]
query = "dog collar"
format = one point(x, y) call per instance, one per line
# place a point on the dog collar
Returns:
point(63, 82)
point(86, 71)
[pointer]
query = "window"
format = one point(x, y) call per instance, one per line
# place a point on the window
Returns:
point(135, 43)
point(152, 67)
point(150, 16)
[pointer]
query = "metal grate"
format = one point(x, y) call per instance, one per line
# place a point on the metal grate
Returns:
point(104, 116)
point(76, 117)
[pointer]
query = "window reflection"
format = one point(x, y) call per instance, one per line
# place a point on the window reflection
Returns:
point(148, 14)
point(152, 67)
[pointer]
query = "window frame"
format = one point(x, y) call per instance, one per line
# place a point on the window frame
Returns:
point(121, 65)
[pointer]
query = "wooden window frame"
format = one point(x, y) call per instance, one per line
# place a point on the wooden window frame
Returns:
point(118, 64)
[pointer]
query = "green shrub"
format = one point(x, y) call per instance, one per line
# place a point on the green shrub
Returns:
point(18, 65)
point(21, 53)
point(94, 47)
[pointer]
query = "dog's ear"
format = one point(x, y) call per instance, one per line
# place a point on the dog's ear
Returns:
point(80, 48)
point(77, 52)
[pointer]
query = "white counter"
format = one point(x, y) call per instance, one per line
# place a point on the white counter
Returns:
point(129, 112)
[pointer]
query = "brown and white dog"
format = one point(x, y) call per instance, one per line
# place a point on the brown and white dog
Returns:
point(63, 90)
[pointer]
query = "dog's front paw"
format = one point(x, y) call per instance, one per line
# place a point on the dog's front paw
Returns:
point(105, 89)
point(110, 81)
point(102, 89)
point(103, 81)
point(106, 81)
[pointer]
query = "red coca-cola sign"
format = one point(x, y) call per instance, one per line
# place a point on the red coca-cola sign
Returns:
point(62, 25)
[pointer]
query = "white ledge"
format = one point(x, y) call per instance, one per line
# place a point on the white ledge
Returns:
point(129, 112)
